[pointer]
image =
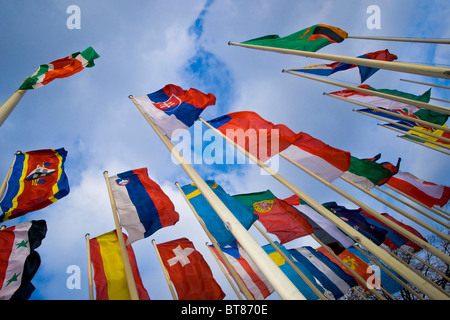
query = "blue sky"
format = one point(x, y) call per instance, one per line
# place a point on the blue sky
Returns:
point(144, 45)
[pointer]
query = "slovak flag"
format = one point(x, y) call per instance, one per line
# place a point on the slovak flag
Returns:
point(173, 108)
point(142, 206)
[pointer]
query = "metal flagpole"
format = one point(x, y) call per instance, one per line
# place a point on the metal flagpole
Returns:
point(126, 261)
point(91, 287)
point(368, 244)
point(431, 71)
point(279, 281)
point(435, 41)
point(421, 104)
point(427, 84)
point(8, 106)
point(166, 274)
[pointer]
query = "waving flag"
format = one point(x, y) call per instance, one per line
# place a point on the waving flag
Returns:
point(109, 271)
point(309, 39)
point(174, 109)
point(423, 191)
point(419, 136)
point(365, 72)
point(18, 260)
point(261, 138)
point(212, 221)
point(188, 271)
point(277, 216)
point(320, 158)
point(61, 68)
point(37, 180)
point(142, 205)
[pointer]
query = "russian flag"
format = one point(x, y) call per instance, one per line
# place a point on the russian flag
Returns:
point(173, 108)
point(142, 206)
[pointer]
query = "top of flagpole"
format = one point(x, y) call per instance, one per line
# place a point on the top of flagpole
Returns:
point(435, 41)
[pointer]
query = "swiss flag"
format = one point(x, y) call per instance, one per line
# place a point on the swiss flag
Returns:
point(188, 271)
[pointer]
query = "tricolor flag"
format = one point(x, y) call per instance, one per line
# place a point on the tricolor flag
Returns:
point(36, 181)
point(18, 260)
point(261, 138)
point(421, 137)
point(364, 72)
point(174, 109)
point(61, 68)
point(255, 281)
point(188, 271)
point(428, 193)
point(142, 205)
point(330, 275)
point(309, 39)
point(277, 216)
point(327, 162)
point(212, 221)
point(109, 270)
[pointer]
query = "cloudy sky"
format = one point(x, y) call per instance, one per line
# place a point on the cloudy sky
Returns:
point(144, 45)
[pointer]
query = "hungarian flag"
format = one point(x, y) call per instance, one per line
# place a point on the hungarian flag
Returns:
point(109, 271)
point(174, 109)
point(261, 138)
point(428, 193)
point(18, 260)
point(309, 39)
point(142, 205)
point(212, 221)
point(277, 216)
point(327, 162)
point(255, 281)
point(189, 271)
point(364, 72)
point(36, 181)
point(61, 68)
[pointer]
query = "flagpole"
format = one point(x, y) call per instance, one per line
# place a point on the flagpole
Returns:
point(435, 41)
point(236, 291)
point(431, 71)
point(126, 261)
point(8, 106)
point(166, 274)
point(372, 247)
point(421, 104)
point(91, 289)
point(279, 281)
point(398, 115)
point(441, 100)
point(427, 84)
point(422, 144)
point(227, 263)
point(435, 208)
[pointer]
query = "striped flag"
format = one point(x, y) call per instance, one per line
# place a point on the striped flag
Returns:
point(142, 205)
point(37, 180)
point(18, 260)
point(61, 68)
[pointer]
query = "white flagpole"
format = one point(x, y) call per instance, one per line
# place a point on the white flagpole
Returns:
point(279, 281)
point(431, 71)
point(408, 274)
point(91, 287)
point(166, 273)
point(435, 41)
point(8, 106)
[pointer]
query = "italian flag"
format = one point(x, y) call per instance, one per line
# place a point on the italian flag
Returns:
point(18, 260)
point(61, 68)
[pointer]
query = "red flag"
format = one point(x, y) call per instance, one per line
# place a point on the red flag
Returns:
point(188, 271)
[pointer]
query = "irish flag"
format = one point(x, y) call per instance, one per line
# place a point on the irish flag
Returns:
point(61, 68)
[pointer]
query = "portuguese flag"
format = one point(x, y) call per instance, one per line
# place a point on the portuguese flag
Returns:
point(18, 260)
point(61, 68)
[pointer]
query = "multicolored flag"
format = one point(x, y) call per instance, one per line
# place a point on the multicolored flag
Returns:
point(422, 137)
point(212, 221)
point(330, 275)
point(261, 138)
point(277, 216)
point(327, 162)
point(255, 281)
point(364, 72)
point(36, 181)
point(428, 193)
point(174, 109)
point(189, 271)
point(309, 39)
point(109, 270)
point(18, 260)
point(142, 205)
point(61, 68)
